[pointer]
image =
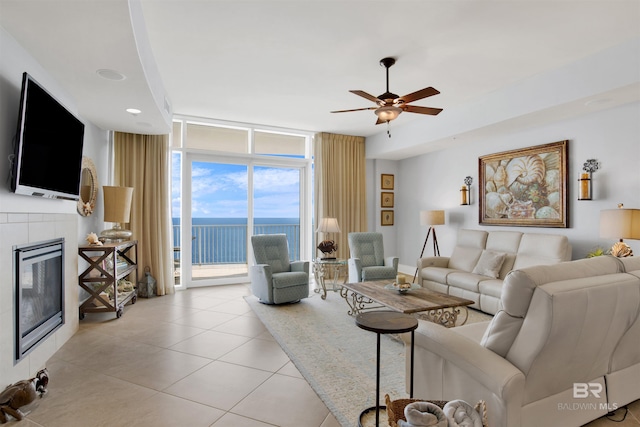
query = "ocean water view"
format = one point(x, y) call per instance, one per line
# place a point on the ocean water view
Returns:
point(224, 240)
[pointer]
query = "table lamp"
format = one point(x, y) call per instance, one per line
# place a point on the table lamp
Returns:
point(620, 224)
point(117, 209)
point(327, 247)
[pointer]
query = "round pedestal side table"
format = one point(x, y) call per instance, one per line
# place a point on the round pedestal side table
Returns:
point(385, 322)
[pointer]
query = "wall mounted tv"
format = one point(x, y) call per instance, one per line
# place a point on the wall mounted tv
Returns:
point(47, 158)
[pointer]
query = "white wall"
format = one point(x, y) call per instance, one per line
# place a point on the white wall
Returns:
point(15, 61)
point(433, 181)
point(26, 219)
point(96, 147)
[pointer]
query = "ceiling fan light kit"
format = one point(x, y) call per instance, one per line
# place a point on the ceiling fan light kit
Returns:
point(389, 105)
point(388, 113)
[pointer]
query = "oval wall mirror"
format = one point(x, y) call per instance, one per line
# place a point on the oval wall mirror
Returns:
point(88, 187)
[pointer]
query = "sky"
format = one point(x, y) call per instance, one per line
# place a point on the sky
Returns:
point(220, 191)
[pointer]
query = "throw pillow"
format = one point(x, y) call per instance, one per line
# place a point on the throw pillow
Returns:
point(489, 264)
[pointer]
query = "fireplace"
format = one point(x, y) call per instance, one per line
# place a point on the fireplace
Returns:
point(39, 284)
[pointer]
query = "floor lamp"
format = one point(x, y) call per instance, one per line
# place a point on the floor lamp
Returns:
point(430, 218)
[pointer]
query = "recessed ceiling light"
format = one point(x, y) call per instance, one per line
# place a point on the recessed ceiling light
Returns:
point(133, 111)
point(108, 74)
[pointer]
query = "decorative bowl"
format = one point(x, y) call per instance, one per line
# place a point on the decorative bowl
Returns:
point(403, 290)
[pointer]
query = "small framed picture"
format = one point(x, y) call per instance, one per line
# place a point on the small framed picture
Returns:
point(386, 199)
point(386, 217)
point(386, 181)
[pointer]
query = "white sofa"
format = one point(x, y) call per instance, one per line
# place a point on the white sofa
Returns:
point(564, 324)
point(481, 259)
point(623, 378)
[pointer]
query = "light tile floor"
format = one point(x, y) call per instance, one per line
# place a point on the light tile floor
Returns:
point(196, 358)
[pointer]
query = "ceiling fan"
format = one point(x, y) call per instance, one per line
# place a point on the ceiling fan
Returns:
point(389, 105)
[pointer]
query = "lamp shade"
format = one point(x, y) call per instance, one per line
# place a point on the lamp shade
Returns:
point(328, 225)
point(117, 204)
point(620, 223)
point(388, 113)
point(432, 218)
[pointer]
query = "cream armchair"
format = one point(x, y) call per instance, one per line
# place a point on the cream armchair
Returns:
point(560, 325)
point(367, 261)
point(274, 279)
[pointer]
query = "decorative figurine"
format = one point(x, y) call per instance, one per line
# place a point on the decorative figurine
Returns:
point(621, 250)
point(92, 238)
point(87, 209)
point(21, 394)
point(327, 247)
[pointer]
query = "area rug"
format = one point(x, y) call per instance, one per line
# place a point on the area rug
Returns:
point(337, 358)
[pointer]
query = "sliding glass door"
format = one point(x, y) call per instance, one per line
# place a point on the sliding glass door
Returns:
point(227, 200)
point(230, 181)
point(219, 215)
point(276, 204)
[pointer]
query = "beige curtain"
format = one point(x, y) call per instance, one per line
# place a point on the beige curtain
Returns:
point(143, 162)
point(340, 184)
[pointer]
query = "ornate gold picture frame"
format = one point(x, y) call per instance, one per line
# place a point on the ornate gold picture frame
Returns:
point(386, 199)
point(386, 217)
point(386, 181)
point(525, 187)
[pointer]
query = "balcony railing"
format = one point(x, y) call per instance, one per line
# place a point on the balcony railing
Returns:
point(213, 244)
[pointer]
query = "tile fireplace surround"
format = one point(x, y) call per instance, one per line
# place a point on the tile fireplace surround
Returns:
point(25, 228)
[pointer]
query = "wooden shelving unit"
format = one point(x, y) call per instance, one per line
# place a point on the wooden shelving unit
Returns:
point(108, 264)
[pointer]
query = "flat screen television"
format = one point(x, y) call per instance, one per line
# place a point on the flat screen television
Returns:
point(47, 158)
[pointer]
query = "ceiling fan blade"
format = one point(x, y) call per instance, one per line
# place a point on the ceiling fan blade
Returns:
point(365, 95)
point(419, 94)
point(422, 110)
point(355, 109)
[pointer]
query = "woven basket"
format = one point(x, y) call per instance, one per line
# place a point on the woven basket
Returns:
point(395, 409)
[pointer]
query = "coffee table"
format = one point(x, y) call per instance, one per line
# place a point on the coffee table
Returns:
point(430, 305)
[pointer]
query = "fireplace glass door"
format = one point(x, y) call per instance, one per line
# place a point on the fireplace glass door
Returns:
point(40, 292)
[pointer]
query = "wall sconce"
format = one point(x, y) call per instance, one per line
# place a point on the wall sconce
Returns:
point(465, 191)
point(590, 166)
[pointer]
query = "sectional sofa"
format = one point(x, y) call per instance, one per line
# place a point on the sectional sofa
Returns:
point(563, 351)
point(481, 260)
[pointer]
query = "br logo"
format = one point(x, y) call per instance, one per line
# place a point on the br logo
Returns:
point(583, 390)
